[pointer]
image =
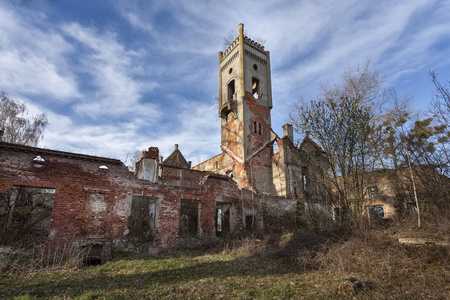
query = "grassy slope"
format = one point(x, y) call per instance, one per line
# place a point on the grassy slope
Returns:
point(295, 266)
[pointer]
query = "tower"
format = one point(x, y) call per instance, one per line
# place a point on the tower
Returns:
point(245, 101)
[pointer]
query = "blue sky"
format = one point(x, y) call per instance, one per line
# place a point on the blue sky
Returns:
point(117, 76)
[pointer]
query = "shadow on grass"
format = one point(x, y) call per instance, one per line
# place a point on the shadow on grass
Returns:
point(103, 280)
point(172, 268)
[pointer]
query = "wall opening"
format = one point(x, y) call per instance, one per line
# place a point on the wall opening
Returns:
point(231, 90)
point(373, 192)
point(305, 179)
point(257, 127)
point(376, 212)
point(189, 212)
point(250, 222)
point(222, 218)
point(26, 211)
point(142, 220)
point(255, 88)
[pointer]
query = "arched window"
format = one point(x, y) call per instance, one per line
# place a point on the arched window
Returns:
point(231, 90)
point(255, 88)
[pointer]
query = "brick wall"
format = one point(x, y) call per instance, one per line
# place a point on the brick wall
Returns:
point(93, 203)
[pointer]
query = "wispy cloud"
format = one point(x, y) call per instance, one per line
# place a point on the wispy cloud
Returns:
point(110, 66)
point(32, 60)
point(144, 73)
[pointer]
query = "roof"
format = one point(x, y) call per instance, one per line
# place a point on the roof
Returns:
point(176, 159)
point(308, 140)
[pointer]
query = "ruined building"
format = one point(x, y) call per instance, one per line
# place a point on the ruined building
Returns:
point(247, 138)
point(94, 201)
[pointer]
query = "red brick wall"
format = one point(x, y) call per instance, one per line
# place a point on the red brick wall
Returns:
point(94, 204)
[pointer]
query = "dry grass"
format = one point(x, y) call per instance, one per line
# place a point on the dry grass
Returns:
point(298, 265)
point(19, 262)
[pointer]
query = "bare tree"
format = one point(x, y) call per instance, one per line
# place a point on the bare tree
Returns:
point(441, 111)
point(17, 126)
point(441, 99)
point(131, 158)
point(343, 120)
point(25, 210)
point(233, 35)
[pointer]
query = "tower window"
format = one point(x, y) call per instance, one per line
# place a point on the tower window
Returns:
point(255, 66)
point(257, 127)
point(255, 88)
point(231, 90)
point(230, 70)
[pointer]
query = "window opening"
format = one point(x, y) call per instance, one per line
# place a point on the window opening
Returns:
point(231, 90)
point(259, 128)
point(142, 220)
point(255, 88)
point(26, 211)
point(305, 178)
point(376, 212)
point(373, 191)
point(222, 219)
point(250, 222)
point(189, 218)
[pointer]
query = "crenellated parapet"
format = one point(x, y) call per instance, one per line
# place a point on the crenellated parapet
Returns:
point(231, 47)
point(253, 43)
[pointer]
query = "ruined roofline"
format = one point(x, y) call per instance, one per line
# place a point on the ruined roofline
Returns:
point(42, 151)
point(206, 160)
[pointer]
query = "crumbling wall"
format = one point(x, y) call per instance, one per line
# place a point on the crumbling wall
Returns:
point(94, 195)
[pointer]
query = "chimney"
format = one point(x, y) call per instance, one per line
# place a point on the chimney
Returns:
point(307, 134)
point(176, 146)
point(288, 131)
point(147, 166)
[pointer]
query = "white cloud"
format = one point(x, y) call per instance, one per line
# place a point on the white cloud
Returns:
point(110, 65)
point(32, 61)
point(197, 133)
point(148, 78)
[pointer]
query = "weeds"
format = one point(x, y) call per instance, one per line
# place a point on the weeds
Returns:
point(293, 265)
point(20, 263)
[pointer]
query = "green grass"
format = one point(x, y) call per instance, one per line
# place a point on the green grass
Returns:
point(248, 270)
point(169, 276)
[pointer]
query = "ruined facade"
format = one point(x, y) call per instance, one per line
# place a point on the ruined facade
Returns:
point(98, 201)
